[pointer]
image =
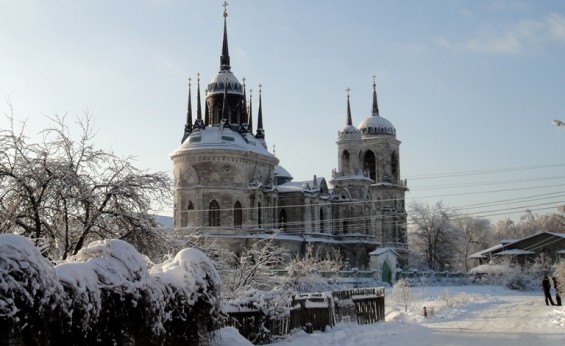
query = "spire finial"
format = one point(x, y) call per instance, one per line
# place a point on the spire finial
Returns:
point(188, 125)
point(349, 121)
point(198, 106)
point(375, 104)
point(225, 57)
point(260, 130)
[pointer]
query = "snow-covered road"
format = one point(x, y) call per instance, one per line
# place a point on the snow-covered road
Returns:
point(466, 315)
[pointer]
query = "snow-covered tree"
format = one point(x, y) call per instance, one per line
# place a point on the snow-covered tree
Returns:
point(402, 293)
point(253, 269)
point(432, 233)
point(305, 272)
point(474, 235)
point(32, 307)
point(64, 193)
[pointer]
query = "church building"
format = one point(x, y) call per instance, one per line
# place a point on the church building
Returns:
point(230, 189)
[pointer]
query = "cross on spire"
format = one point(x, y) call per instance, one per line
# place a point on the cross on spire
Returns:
point(225, 4)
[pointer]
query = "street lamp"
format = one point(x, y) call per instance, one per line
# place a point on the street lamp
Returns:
point(558, 123)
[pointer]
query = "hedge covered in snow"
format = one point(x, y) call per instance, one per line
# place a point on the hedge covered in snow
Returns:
point(106, 295)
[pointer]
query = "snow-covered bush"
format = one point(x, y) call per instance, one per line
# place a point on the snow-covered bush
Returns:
point(507, 274)
point(304, 273)
point(132, 305)
point(191, 287)
point(31, 297)
point(84, 301)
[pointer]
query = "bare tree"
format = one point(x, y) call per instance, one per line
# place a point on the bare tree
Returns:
point(475, 235)
point(432, 233)
point(254, 268)
point(64, 193)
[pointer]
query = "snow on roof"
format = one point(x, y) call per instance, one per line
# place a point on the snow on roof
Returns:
point(213, 137)
point(382, 250)
point(377, 125)
point(281, 172)
point(298, 186)
point(514, 252)
point(481, 254)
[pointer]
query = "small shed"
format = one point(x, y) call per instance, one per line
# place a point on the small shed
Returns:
point(384, 261)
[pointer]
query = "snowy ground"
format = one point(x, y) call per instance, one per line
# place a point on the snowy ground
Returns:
point(462, 315)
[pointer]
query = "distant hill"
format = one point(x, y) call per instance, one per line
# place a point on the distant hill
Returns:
point(164, 221)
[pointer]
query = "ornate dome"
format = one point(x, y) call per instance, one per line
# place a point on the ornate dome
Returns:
point(377, 125)
point(217, 84)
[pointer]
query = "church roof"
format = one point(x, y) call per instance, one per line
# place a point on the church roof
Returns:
point(280, 171)
point(213, 137)
point(376, 124)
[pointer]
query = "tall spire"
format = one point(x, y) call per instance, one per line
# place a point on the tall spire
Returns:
point(225, 57)
point(375, 104)
point(188, 125)
point(260, 130)
point(250, 112)
point(198, 107)
point(349, 122)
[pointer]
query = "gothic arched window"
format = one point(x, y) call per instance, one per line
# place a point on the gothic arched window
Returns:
point(345, 165)
point(322, 220)
point(370, 165)
point(259, 215)
point(214, 214)
point(282, 219)
point(237, 215)
point(394, 165)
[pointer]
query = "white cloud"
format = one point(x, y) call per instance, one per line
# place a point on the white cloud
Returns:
point(522, 37)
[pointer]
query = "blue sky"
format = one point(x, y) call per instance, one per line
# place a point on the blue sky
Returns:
point(471, 86)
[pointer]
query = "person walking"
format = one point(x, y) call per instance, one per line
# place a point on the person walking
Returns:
point(547, 290)
point(557, 295)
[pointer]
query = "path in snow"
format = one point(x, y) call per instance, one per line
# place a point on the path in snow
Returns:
point(516, 320)
point(492, 316)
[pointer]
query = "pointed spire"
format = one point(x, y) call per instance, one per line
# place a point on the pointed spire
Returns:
point(188, 125)
point(260, 130)
point(244, 115)
point(375, 104)
point(349, 121)
point(225, 57)
point(189, 108)
point(198, 107)
point(250, 112)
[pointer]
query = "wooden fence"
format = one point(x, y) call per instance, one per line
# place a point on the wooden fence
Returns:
point(311, 312)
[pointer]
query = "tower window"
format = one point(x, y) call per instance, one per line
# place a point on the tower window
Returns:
point(282, 219)
point(259, 215)
point(214, 214)
point(370, 165)
point(237, 215)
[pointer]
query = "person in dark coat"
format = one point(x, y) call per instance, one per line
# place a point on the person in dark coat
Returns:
point(557, 295)
point(547, 290)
